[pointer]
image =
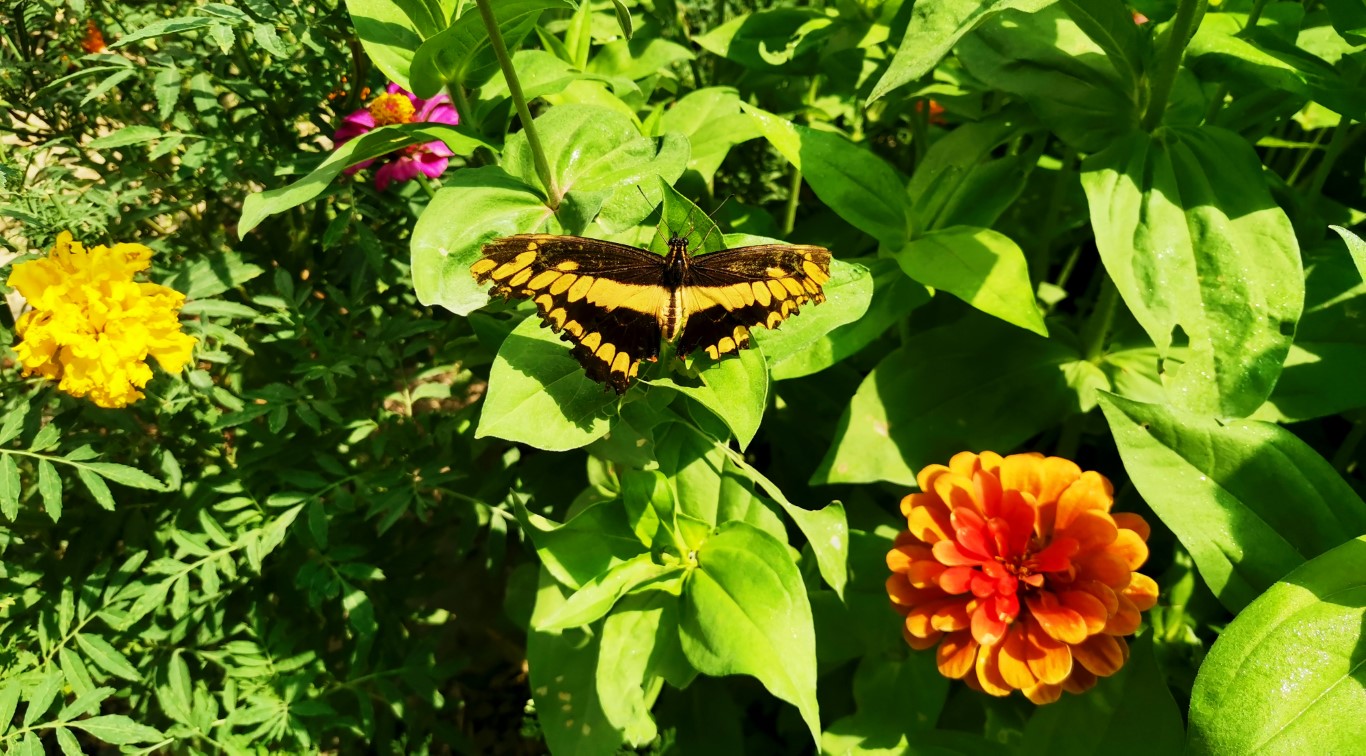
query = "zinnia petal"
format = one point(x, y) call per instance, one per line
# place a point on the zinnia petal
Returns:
point(957, 655)
point(1102, 655)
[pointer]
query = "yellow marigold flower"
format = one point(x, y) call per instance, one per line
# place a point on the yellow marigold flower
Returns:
point(92, 327)
point(1016, 568)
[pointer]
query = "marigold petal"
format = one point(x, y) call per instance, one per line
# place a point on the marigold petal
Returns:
point(989, 671)
point(1142, 591)
point(1057, 620)
point(1043, 693)
point(1091, 530)
point(1080, 681)
point(1049, 659)
point(1014, 660)
point(1131, 548)
point(1102, 655)
point(1089, 607)
point(957, 655)
point(1131, 521)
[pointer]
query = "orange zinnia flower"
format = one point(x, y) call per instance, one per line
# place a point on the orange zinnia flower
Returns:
point(1018, 570)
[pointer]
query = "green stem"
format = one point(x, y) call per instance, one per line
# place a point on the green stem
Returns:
point(1061, 182)
point(1187, 20)
point(794, 191)
point(1216, 103)
point(1102, 318)
point(1307, 153)
point(1330, 157)
point(1345, 453)
point(519, 100)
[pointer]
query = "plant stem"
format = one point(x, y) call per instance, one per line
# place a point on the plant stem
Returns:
point(1330, 157)
point(1216, 103)
point(1307, 153)
point(794, 191)
point(1188, 16)
point(519, 100)
point(1345, 453)
point(1102, 317)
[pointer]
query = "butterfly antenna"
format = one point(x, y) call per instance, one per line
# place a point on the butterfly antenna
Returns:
point(713, 215)
point(691, 226)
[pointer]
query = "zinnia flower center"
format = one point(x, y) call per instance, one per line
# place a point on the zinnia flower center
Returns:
point(390, 108)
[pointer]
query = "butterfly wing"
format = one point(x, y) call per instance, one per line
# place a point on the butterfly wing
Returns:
point(726, 293)
point(602, 297)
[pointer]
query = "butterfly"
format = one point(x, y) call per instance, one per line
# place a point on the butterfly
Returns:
point(615, 302)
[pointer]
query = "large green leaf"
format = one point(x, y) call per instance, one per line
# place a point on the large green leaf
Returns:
point(1248, 500)
point(381, 141)
point(745, 612)
point(596, 598)
point(1322, 374)
point(539, 395)
point(977, 384)
point(960, 182)
point(475, 206)
point(462, 54)
point(639, 645)
point(1130, 712)
point(1197, 247)
point(979, 266)
point(598, 157)
point(562, 668)
point(713, 123)
point(590, 544)
point(392, 30)
point(638, 58)
point(734, 388)
point(785, 40)
point(847, 296)
point(1225, 50)
point(898, 701)
point(859, 186)
point(934, 28)
point(1286, 675)
point(1064, 76)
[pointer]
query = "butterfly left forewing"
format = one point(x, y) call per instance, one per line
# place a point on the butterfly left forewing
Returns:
point(600, 296)
point(729, 292)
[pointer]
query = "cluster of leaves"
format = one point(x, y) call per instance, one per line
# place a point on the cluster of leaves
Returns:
point(1113, 244)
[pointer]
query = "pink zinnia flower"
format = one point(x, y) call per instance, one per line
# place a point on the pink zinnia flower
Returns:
point(398, 105)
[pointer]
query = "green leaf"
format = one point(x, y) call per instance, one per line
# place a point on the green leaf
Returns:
point(1222, 488)
point(934, 28)
point(118, 730)
point(475, 206)
point(126, 136)
point(1355, 246)
point(125, 475)
point(745, 612)
point(1111, 26)
point(373, 144)
point(68, 743)
point(734, 388)
point(776, 40)
point(462, 54)
point(40, 696)
point(562, 668)
point(588, 545)
point(599, 159)
point(208, 275)
point(961, 183)
point(50, 488)
point(712, 121)
point(9, 702)
point(639, 641)
point(9, 487)
point(1131, 712)
point(979, 266)
point(1197, 246)
point(847, 296)
point(107, 657)
point(391, 32)
point(858, 185)
point(96, 485)
point(1067, 79)
point(894, 296)
point(1284, 676)
point(1224, 49)
point(638, 58)
point(14, 423)
point(162, 28)
point(898, 702)
point(932, 398)
point(539, 395)
point(597, 597)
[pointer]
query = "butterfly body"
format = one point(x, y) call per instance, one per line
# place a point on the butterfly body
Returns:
point(615, 303)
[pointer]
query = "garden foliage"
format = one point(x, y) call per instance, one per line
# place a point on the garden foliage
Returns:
point(378, 511)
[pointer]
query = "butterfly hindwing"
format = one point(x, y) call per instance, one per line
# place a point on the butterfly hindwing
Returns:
point(600, 296)
point(726, 293)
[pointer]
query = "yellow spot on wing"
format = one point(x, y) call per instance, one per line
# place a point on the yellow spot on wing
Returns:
point(814, 271)
point(591, 341)
point(546, 302)
point(779, 291)
point(726, 345)
point(520, 278)
point(557, 316)
point(567, 265)
point(791, 285)
point(606, 352)
point(635, 368)
point(761, 293)
point(483, 266)
point(580, 288)
point(776, 272)
point(562, 285)
point(543, 279)
point(514, 265)
point(712, 353)
point(574, 328)
point(774, 318)
point(620, 364)
point(532, 246)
